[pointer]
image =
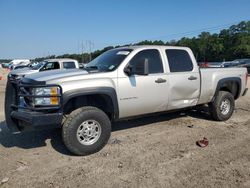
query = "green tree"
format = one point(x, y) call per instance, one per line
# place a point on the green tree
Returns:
point(228, 44)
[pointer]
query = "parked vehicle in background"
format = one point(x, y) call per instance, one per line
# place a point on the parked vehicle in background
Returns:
point(5, 65)
point(119, 84)
point(212, 64)
point(244, 63)
point(215, 64)
point(49, 64)
point(14, 63)
point(239, 63)
point(17, 62)
point(24, 66)
point(21, 64)
point(230, 64)
point(226, 64)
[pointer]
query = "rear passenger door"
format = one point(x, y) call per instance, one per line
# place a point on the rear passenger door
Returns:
point(184, 79)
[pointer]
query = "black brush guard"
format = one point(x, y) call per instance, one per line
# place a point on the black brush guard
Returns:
point(20, 117)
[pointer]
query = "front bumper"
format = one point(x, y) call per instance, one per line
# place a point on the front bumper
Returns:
point(37, 119)
point(20, 118)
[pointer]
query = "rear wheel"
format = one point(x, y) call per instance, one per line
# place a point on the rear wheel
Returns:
point(86, 130)
point(222, 107)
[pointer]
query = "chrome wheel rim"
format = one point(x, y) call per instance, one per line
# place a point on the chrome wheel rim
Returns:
point(88, 132)
point(225, 106)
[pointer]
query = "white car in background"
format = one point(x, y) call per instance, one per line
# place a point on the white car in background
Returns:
point(46, 65)
point(17, 62)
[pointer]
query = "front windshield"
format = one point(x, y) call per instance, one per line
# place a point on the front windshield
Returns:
point(38, 65)
point(108, 61)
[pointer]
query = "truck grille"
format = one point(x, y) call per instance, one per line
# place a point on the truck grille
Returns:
point(16, 90)
point(22, 96)
point(25, 101)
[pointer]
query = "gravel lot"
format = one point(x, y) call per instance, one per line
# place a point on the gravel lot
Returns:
point(155, 151)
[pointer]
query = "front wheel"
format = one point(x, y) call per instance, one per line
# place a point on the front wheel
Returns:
point(86, 130)
point(222, 107)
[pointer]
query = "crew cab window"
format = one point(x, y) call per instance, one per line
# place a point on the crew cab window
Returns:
point(152, 56)
point(179, 60)
point(69, 65)
point(51, 66)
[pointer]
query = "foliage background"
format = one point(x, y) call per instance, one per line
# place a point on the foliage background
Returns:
point(228, 44)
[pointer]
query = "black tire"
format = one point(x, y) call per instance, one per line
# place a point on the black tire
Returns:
point(215, 107)
point(71, 127)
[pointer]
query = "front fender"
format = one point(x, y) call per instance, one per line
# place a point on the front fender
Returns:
point(91, 91)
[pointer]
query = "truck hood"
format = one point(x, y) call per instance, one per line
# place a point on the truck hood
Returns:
point(23, 71)
point(56, 74)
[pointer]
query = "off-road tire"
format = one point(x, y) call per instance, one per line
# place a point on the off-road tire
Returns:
point(215, 106)
point(72, 123)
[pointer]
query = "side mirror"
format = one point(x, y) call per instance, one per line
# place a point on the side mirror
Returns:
point(128, 70)
point(141, 68)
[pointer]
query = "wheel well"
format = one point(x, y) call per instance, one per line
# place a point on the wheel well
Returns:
point(232, 87)
point(101, 101)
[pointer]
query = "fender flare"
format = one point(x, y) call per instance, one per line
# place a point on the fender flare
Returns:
point(109, 91)
point(225, 80)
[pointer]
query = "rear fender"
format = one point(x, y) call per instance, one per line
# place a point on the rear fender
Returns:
point(227, 83)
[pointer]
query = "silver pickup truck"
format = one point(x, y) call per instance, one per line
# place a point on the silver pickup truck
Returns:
point(119, 84)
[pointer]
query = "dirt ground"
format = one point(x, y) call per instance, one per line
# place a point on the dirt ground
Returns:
point(155, 151)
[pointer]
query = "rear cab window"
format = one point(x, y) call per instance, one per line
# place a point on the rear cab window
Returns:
point(179, 60)
point(69, 65)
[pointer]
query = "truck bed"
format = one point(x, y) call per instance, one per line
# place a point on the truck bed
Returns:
point(211, 77)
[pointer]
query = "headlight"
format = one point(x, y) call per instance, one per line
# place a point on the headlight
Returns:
point(49, 96)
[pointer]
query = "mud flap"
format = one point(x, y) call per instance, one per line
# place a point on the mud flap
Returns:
point(10, 98)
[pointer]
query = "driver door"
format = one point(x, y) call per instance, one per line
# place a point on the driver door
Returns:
point(142, 94)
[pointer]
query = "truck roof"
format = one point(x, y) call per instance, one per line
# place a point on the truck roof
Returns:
point(154, 46)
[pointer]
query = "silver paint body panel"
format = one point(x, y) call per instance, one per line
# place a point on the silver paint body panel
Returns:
point(137, 95)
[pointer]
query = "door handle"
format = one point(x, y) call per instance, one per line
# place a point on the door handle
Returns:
point(160, 80)
point(192, 78)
